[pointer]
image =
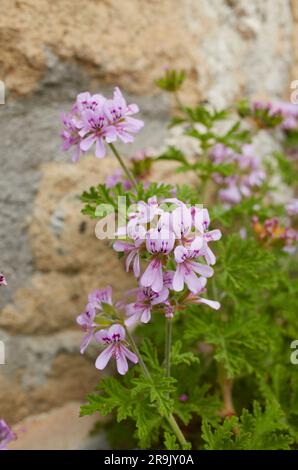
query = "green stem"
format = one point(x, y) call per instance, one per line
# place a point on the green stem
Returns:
point(123, 166)
point(169, 328)
point(178, 433)
point(136, 350)
point(178, 101)
point(170, 418)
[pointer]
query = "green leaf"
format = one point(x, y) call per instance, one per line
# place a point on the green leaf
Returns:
point(149, 355)
point(222, 437)
point(260, 430)
point(172, 80)
point(159, 391)
point(173, 154)
point(286, 167)
point(170, 442)
point(240, 342)
point(245, 267)
point(114, 396)
point(148, 424)
point(177, 357)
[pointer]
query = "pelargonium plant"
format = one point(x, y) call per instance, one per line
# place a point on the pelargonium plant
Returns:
point(198, 348)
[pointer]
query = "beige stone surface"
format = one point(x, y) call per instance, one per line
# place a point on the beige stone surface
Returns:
point(60, 429)
point(69, 261)
point(226, 47)
point(70, 377)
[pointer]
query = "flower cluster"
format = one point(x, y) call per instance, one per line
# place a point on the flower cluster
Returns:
point(97, 120)
point(6, 435)
point(272, 232)
point(249, 174)
point(173, 238)
point(285, 111)
point(3, 281)
point(95, 316)
point(292, 207)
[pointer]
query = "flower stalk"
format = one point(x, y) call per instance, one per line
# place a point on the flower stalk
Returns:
point(170, 418)
point(168, 345)
point(128, 173)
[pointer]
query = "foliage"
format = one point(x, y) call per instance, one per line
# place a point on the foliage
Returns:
point(262, 429)
point(245, 345)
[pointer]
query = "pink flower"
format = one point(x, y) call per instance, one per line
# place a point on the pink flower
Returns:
point(70, 135)
point(159, 242)
point(220, 153)
point(181, 221)
point(86, 101)
point(180, 236)
point(201, 222)
point(96, 120)
point(6, 434)
point(86, 319)
point(249, 175)
point(146, 299)
point(292, 207)
point(131, 250)
point(114, 338)
point(197, 299)
point(100, 296)
point(289, 112)
point(3, 281)
point(231, 194)
point(144, 214)
point(96, 130)
point(291, 239)
point(187, 268)
point(183, 397)
point(119, 115)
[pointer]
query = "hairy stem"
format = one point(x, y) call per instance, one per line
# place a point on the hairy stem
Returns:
point(168, 343)
point(137, 352)
point(170, 418)
point(226, 385)
point(123, 166)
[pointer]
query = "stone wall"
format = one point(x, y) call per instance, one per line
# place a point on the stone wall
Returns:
point(51, 50)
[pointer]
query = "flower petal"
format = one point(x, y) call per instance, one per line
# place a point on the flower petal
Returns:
point(212, 303)
point(202, 269)
point(104, 357)
point(130, 355)
point(193, 282)
point(178, 279)
point(146, 315)
point(121, 361)
point(100, 149)
point(85, 341)
point(87, 142)
point(136, 265)
point(152, 277)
